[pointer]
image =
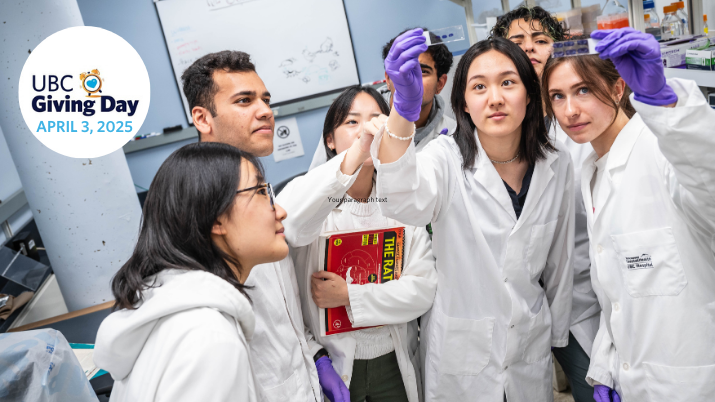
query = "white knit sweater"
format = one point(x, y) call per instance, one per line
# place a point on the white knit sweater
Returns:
point(371, 342)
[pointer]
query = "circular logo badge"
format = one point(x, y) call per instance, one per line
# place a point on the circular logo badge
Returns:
point(338, 242)
point(372, 278)
point(283, 132)
point(337, 324)
point(84, 92)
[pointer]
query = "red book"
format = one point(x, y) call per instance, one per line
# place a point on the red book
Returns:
point(360, 257)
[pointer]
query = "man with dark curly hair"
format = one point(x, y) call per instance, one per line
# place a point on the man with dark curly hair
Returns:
point(435, 64)
point(534, 30)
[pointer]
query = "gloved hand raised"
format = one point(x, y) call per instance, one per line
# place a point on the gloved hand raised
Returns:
point(637, 58)
point(602, 393)
point(333, 386)
point(403, 68)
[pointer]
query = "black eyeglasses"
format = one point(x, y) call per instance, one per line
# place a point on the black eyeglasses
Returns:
point(269, 190)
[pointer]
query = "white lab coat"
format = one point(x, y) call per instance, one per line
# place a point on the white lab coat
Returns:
point(492, 324)
point(652, 260)
point(283, 364)
point(186, 342)
point(585, 311)
point(396, 304)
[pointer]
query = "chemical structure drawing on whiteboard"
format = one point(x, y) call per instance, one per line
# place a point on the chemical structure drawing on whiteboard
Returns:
point(315, 64)
point(325, 48)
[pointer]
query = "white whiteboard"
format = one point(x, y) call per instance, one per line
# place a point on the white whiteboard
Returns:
point(300, 48)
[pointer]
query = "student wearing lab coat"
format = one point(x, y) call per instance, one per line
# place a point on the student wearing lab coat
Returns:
point(489, 333)
point(379, 364)
point(649, 194)
point(230, 104)
point(535, 30)
point(182, 318)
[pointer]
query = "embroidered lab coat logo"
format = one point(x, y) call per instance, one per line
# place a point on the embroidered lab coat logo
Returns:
point(642, 262)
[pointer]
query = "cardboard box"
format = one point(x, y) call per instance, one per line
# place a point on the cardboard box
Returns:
point(700, 59)
point(674, 55)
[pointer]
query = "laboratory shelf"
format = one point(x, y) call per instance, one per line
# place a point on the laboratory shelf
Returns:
point(701, 77)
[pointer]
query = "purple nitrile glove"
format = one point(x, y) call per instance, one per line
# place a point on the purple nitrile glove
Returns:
point(403, 68)
point(637, 58)
point(333, 386)
point(602, 393)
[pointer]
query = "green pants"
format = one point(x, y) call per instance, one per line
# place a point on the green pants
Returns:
point(575, 363)
point(377, 380)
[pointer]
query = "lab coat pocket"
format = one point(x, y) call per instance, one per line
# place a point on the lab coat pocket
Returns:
point(467, 346)
point(539, 246)
point(538, 341)
point(650, 263)
point(284, 392)
point(668, 383)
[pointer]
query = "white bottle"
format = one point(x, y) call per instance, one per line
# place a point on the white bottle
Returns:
point(671, 27)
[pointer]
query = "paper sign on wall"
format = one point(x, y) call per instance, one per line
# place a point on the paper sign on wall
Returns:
point(286, 140)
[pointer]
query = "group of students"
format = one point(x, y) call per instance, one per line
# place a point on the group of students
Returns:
point(539, 242)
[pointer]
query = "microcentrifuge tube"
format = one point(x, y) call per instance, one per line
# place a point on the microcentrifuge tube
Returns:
point(445, 35)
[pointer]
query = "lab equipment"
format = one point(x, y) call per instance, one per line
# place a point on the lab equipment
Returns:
point(446, 35)
point(575, 47)
point(651, 19)
point(40, 366)
point(705, 24)
point(680, 13)
point(22, 270)
point(614, 16)
point(700, 59)
point(671, 26)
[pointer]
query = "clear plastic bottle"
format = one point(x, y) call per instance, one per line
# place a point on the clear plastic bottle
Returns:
point(683, 16)
point(652, 22)
point(671, 26)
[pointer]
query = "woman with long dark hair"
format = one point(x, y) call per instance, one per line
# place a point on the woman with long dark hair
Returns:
point(378, 364)
point(182, 318)
point(499, 197)
point(649, 191)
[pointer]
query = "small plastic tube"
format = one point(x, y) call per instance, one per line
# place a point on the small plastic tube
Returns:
point(445, 35)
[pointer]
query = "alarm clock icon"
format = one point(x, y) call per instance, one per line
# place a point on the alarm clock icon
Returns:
point(91, 83)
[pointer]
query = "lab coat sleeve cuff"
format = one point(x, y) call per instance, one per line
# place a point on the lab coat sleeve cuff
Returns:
point(662, 115)
point(596, 376)
point(356, 308)
point(343, 180)
point(560, 343)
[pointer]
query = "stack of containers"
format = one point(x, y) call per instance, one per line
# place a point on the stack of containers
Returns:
point(589, 16)
point(614, 16)
point(613, 21)
point(571, 20)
